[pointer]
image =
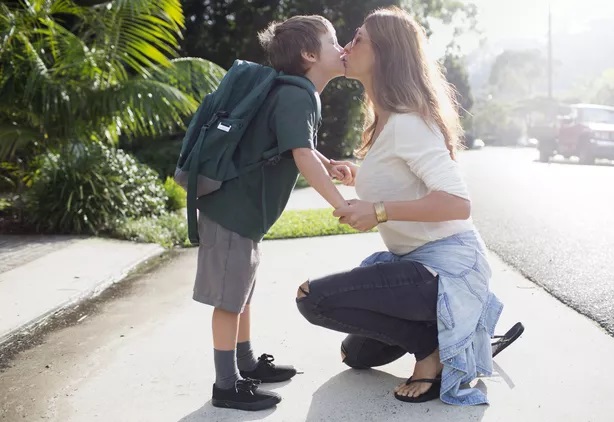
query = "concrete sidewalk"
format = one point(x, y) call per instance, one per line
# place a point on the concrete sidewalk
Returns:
point(42, 276)
point(148, 355)
point(308, 198)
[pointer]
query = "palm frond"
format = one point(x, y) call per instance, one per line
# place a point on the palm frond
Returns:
point(192, 75)
point(144, 107)
point(13, 137)
point(169, 10)
point(66, 7)
point(143, 33)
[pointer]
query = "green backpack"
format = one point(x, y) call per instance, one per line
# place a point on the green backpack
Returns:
point(215, 131)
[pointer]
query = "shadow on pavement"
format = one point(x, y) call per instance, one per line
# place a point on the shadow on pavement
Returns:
point(355, 395)
point(577, 163)
point(208, 413)
point(508, 380)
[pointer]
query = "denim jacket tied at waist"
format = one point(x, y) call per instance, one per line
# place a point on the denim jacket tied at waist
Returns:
point(467, 311)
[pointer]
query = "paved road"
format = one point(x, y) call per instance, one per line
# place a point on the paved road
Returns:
point(553, 222)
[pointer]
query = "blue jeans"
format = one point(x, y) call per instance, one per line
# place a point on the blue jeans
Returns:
point(388, 308)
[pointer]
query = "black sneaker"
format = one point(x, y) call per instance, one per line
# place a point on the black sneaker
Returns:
point(244, 396)
point(267, 371)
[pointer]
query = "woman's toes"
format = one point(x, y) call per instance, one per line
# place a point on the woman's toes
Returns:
point(404, 390)
point(412, 390)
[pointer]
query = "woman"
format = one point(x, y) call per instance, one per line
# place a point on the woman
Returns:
point(428, 294)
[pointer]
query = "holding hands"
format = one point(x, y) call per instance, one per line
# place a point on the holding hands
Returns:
point(358, 214)
point(344, 171)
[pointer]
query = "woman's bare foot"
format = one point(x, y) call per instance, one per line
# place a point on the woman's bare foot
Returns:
point(427, 368)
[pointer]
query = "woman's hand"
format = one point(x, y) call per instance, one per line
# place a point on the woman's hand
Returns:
point(358, 214)
point(353, 168)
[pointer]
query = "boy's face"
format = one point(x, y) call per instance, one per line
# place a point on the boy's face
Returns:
point(329, 61)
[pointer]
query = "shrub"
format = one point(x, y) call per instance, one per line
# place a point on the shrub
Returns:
point(159, 154)
point(87, 188)
point(168, 230)
point(5, 204)
point(177, 197)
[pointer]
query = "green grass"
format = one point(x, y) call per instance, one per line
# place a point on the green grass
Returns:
point(308, 223)
point(301, 182)
point(171, 229)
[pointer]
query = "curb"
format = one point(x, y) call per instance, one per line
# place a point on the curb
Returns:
point(35, 325)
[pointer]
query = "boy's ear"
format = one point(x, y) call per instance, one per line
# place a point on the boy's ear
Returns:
point(309, 57)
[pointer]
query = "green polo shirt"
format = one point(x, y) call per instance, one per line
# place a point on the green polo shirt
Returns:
point(250, 204)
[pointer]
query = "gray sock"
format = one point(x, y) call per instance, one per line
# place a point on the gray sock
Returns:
point(226, 371)
point(245, 356)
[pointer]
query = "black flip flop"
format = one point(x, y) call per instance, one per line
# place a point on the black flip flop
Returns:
point(430, 394)
point(505, 340)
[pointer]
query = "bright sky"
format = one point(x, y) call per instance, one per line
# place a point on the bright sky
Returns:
point(505, 19)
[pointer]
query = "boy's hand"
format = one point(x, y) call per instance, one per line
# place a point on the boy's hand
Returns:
point(342, 173)
point(310, 165)
point(353, 169)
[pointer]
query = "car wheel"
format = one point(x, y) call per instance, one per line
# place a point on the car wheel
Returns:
point(544, 155)
point(586, 157)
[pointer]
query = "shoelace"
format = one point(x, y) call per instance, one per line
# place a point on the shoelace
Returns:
point(267, 360)
point(247, 385)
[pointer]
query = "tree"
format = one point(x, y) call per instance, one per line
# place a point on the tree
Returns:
point(496, 123)
point(75, 73)
point(456, 74)
point(462, 15)
point(517, 74)
point(602, 91)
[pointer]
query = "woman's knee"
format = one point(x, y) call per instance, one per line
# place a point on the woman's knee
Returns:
point(303, 290)
point(350, 350)
point(305, 304)
point(351, 359)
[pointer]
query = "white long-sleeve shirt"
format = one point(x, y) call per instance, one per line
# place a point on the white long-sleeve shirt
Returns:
point(408, 160)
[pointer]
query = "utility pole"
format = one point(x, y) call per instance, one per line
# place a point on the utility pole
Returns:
point(549, 51)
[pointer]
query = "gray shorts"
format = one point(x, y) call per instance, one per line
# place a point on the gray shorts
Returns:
point(226, 270)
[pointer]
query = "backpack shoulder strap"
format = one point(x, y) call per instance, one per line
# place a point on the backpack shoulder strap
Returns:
point(306, 84)
point(272, 155)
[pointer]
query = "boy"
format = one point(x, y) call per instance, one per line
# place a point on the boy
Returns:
point(234, 219)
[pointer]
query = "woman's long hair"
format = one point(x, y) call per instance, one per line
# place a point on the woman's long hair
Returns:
point(405, 80)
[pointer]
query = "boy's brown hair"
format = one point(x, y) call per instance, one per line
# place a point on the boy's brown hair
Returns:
point(285, 42)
